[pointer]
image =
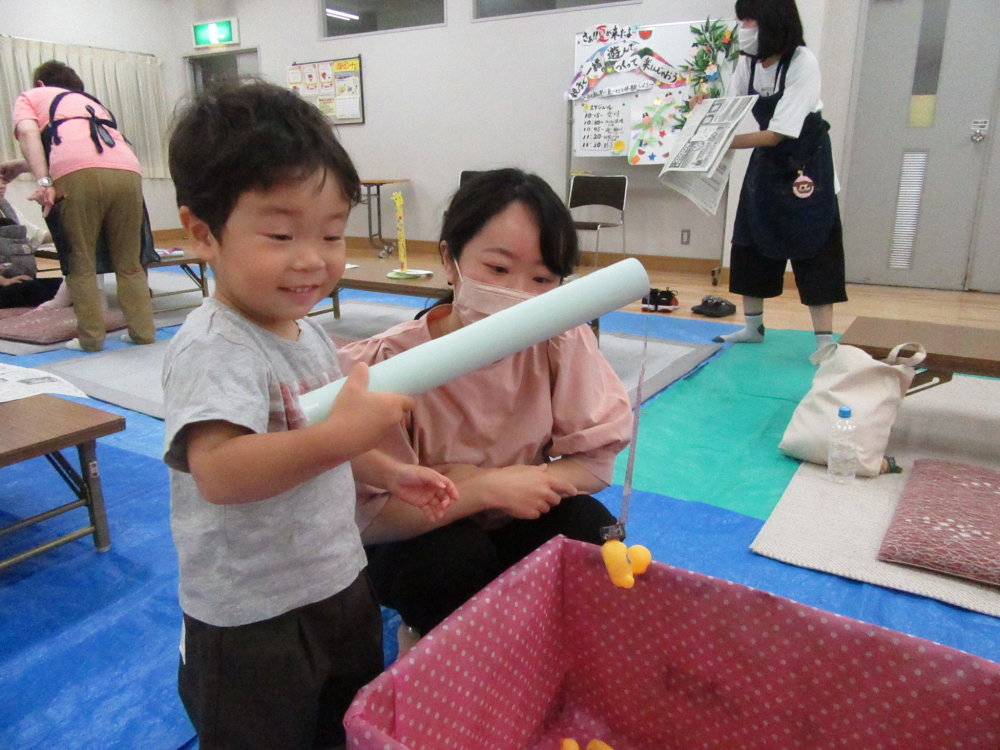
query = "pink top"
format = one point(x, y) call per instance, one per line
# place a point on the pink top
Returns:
point(77, 150)
point(558, 398)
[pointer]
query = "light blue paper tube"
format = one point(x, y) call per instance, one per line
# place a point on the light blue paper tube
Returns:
point(497, 336)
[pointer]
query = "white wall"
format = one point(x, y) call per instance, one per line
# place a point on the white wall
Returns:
point(146, 26)
point(467, 95)
point(475, 95)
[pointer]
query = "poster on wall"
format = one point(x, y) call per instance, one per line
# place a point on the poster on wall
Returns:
point(332, 85)
point(631, 87)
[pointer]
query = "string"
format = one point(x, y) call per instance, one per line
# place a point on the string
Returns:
point(627, 486)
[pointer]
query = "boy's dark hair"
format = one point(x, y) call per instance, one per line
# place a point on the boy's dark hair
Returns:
point(55, 73)
point(779, 28)
point(489, 193)
point(246, 136)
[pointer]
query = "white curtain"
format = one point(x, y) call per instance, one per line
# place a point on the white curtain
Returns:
point(130, 85)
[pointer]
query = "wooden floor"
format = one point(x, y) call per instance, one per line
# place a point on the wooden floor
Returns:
point(976, 309)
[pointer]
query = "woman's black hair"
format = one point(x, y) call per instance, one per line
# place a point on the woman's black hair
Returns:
point(489, 193)
point(55, 73)
point(779, 28)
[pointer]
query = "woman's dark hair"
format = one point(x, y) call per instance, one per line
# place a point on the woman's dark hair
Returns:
point(251, 135)
point(55, 73)
point(489, 193)
point(779, 28)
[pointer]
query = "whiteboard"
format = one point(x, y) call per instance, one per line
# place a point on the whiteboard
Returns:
point(632, 83)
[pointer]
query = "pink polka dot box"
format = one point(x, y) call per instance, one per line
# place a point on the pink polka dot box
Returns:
point(683, 661)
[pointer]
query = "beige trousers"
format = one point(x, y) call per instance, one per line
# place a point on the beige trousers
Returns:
point(110, 200)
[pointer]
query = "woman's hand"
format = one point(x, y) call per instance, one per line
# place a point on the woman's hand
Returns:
point(522, 491)
point(697, 99)
point(45, 197)
point(423, 488)
point(14, 280)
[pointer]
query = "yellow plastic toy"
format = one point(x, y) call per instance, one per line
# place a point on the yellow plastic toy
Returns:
point(624, 563)
point(639, 558)
point(615, 555)
point(568, 744)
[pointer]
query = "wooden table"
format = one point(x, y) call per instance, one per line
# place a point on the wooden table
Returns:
point(43, 425)
point(370, 276)
point(950, 349)
point(195, 268)
point(191, 264)
point(373, 189)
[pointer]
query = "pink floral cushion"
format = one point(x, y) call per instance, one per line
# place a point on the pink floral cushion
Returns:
point(948, 520)
point(34, 326)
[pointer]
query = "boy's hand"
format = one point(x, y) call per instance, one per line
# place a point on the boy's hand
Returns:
point(697, 99)
point(360, 416)
point(423, 488)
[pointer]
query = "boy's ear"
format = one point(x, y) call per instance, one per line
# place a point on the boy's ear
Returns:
point(203, 242)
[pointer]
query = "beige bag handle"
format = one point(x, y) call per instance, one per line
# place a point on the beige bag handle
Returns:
point(919, 355)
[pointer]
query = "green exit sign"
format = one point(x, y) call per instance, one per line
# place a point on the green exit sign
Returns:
point(216, 32)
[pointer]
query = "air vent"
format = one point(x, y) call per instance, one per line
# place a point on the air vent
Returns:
point(911, 188)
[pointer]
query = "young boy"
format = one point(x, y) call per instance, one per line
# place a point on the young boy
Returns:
point(281, 627)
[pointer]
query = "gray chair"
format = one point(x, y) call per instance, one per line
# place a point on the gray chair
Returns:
point(599, 190)
point(468, 174)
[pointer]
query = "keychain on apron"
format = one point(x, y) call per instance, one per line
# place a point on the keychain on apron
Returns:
point(803, 186)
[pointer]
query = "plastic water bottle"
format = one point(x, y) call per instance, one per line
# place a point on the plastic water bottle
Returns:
point(842, 457)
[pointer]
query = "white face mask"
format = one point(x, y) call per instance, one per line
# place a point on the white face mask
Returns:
point(475, 300)
point(748, 40)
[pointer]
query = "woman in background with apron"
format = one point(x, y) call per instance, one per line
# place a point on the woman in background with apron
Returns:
point(788, 205)
point(85, 170)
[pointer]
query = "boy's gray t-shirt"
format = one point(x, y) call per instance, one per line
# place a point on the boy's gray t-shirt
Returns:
point(253, 561)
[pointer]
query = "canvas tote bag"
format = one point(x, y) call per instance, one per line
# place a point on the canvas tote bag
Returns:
point(848, 376)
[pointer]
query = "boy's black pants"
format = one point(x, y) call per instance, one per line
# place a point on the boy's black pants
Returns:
point(283, 683)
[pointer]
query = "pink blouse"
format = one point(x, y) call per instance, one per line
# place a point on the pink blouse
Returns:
point(557, 398)
point(77, 150)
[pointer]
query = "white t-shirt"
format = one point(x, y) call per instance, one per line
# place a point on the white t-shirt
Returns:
point(801, 95)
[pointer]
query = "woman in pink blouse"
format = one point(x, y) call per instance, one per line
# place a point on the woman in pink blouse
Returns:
point(85, 166)
point(526, 440)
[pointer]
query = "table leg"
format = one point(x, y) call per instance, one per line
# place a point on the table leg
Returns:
point(375, 223)
point(199, 277)
point(94, 496)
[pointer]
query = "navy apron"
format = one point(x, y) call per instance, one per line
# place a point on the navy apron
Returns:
point(771, 217)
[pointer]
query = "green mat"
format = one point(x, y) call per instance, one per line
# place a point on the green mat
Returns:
point(713, 438)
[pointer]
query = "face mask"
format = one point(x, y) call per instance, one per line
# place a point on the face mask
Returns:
point(475, 300)
point(748, 40)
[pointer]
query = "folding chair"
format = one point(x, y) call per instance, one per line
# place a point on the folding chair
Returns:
point(468, 174)
point(599, 190)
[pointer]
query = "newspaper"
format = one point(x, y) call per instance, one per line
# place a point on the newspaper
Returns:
point(706, 135)
point(702, 161)
point(21, 382)
point(704, 190)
